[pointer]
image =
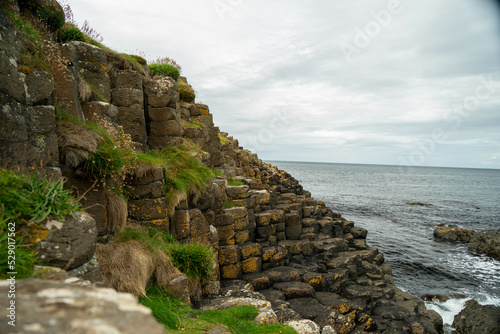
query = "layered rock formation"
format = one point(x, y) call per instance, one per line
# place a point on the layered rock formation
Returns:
point(272, 239)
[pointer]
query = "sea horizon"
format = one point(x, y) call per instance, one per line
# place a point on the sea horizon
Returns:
point(378, 164)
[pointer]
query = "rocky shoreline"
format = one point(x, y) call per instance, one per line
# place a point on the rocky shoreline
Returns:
point(484, 242)
point(277, 248)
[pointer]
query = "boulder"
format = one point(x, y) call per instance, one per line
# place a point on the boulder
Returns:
point(304, 327)
point(161, 92)
point(52, 307)
point(477, 319)
point(486, 242)
point(40, 88)
point(67, 244)
point(453, 234)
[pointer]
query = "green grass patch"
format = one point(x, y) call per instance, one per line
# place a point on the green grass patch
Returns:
point(69, 32)
point(23, 255)
point(172, 314)
point(183, 173)
point(195, 260)
point(166, 70)
point(231, 182)
point(25, 200)
point(194, 124)
point(228, 204)
point(30, 199)
point(223, 140)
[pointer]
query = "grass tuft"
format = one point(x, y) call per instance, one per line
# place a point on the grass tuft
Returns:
point(26, 200)
point(195, 260)
point(223, 140)
point(186, 92)
point(183, 173)
point(30, 199)
point(231, 182)
point(165, 70)
point(228, 204)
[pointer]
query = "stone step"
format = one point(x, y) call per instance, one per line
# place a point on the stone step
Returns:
point(293, 290)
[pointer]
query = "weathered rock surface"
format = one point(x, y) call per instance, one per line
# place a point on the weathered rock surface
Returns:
point(486, 242)
point(477, 319)
point(52, 307)
point(67, 244)
point(453, 234)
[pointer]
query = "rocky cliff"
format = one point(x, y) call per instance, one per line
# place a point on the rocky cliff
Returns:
point(272, 240)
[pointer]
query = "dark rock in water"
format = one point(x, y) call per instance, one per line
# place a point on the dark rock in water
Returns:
point(441, 298)
point(453, 234)
point(486, 242)
point(477, 319)
point(435, 298)
point(418, 204)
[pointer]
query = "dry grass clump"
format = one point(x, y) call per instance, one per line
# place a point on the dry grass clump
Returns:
point(165, 271)
point(133, 258)
point(84, 90)
point(76, 143)
point(137, 256)
point(117, 212)
point(126, 267)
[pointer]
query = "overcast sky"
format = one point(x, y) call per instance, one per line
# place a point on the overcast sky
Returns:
point(351, 81)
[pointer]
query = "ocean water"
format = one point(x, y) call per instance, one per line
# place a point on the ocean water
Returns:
point(375, 197)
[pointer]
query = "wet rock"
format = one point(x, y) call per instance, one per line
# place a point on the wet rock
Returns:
point(486, 242)
point(453, 234)
point(477, 319)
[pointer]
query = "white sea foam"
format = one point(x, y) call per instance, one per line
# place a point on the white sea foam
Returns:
point(447, 309)
point(453, 306)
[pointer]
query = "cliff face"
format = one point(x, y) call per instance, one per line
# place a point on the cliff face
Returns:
point(306, 259)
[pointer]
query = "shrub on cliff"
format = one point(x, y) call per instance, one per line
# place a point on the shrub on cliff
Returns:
point(195, 260)
point(186, 92)
point(27, 199)
point(70, 32)
point(165, 70)
point(184, 175)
